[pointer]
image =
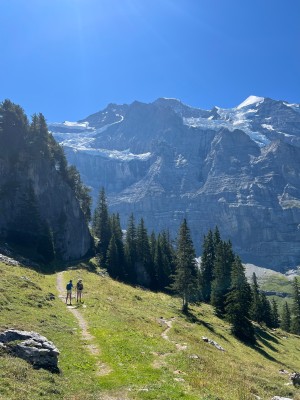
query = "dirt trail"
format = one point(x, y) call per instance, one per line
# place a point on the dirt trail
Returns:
point(102, 369)
point(161, 357)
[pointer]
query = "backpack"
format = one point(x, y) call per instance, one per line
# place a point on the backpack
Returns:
point(69, 286)
point(79, 286)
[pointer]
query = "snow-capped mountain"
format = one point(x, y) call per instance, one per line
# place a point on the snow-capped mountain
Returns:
point(237, 168)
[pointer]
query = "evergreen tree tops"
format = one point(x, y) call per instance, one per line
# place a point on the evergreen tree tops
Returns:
point(25, 142)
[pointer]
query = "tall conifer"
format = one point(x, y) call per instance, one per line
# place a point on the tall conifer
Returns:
point(295, 326)
point(285, 323)
point(274, 314)
point(144, 256)
point(256, 311)
point(207, 266)
point(131, 250)
point(115, 252)
point(267, 316)
point(238, 301)
point(185, 279)
point(101, 226)
point(222, 276)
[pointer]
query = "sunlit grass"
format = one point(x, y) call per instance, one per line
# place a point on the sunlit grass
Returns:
point(138, 362)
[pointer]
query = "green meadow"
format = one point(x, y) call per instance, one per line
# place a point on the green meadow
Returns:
point(147, 348)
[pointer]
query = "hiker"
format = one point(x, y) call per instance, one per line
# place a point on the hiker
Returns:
point(69, 291)
point(79, 289)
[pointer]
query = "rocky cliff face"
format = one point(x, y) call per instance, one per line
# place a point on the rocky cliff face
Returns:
point(39, 210)
point(236, 168)
point(56, 204)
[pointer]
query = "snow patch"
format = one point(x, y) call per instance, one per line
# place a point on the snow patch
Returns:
point(74, 125)
point(124, 155)
point(249, 101)
point(180, 161)
point(269, 127)
point(294, 106)
point(231, 120)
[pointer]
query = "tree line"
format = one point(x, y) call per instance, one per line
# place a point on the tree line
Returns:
point(161, 264)
point(23, 142)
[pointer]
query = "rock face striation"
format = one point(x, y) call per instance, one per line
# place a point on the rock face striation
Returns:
point(31, 347)
point(235, 168)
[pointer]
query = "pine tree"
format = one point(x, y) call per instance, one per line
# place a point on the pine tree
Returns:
point(222, 276)
point(145, 266)
point(115, 252)
point(185, 278)
point(274, 314)
point(14, 127)
point(285, 323)
point(295, 326)
point(238, 301)
point(81, 191)
point(130, 251)
point(256, 311)
point(101, 226)
point(113, 261)
point(155, 285)
point(216, 237)
point(164, 261)
point(267, 317)
point(207, 266)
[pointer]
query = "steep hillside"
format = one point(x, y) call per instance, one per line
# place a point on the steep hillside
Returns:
point(146, 349)
point(40, 212)
point(236, 168)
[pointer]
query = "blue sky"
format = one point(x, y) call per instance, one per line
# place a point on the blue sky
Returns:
point(70, 58)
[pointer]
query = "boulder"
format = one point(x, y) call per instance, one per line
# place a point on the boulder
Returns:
point(281, 398)
point(210, 341)
point(31, 347)
point(295, 378)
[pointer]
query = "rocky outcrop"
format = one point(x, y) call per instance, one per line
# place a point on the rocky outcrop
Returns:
point(295, 378)
point(281, 398)
point(56, 205)
point(236, 168)
point(31, 347)
point(215, 344)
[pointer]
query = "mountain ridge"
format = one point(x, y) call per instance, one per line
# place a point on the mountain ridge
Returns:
point(236, 168)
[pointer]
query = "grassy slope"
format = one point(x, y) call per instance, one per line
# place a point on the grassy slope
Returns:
point(127, 325)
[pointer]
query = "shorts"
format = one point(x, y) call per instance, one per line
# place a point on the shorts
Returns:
point(69, 291)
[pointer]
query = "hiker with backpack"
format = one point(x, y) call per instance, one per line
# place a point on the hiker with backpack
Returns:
point(79, 289)
point(69, 292)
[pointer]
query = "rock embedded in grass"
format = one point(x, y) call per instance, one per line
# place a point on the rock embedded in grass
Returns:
point(31, 347)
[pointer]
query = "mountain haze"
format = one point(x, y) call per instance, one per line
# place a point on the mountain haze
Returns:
point(236, 168)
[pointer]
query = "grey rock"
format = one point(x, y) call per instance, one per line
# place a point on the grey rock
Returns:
point(56, 203)
point(8, 260)
point(31, 347)
point(210, 341)
point(281, 398)
point(295, 378)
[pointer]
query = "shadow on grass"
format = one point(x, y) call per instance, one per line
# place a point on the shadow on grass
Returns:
point(264, 335)
point(265, 338)
point(260, 350)
point(192, 318)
